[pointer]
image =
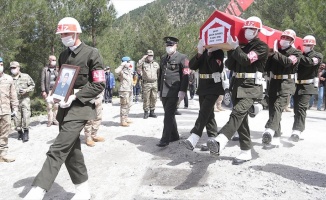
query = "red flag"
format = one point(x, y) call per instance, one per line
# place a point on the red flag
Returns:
point(235, 8)
point(244, 4)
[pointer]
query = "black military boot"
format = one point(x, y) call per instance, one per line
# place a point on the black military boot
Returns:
point(26, 135)
point(146, 115)
point(20, 135)
point(152, 114)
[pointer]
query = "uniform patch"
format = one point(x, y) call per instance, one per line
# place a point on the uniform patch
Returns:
point(218, 62)
point(186, 71)
point(252, 56)
point(98, 75)
point(293, 59)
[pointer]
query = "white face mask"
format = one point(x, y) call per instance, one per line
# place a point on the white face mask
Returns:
point(150, 58)
point(53, 63)
point(285, 44)
point(306, 49)
point(1, 69)
point(68, 41)
point(250, 34)
point(14, 71)
point(170, 50)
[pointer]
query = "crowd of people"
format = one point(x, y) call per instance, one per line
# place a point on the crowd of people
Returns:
point(289, 73)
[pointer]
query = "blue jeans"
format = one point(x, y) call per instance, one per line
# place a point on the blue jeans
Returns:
point(320, 97)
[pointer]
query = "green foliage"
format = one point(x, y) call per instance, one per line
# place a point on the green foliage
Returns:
point(38, 106)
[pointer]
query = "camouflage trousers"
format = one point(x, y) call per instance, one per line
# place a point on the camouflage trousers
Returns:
point(5, 123)
point(149, 96)
point(125, 104)
point(92, 126)
point(23, 115)
point(52, 109)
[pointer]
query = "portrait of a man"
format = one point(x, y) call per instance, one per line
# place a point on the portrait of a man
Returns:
point(63, 86)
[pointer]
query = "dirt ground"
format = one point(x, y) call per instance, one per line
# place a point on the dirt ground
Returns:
point(129, 166)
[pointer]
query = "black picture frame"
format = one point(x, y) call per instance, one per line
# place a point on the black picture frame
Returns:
point(64, 84)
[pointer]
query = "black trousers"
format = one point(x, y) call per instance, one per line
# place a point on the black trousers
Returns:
point(206, 116)
point(192, 91)
point(107, 95)
point(301, 104)
point(65, 149)
point(170, 129)
point(238, 121)
point(276, 105)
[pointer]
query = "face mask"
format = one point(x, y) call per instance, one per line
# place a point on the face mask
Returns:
point(53, 63)
point(1, 69)
point(150, 58)
point(68, 41)
point(14, 71)
point(170, 50)
point(284, 44)
point(306, 49)
point(250, 34)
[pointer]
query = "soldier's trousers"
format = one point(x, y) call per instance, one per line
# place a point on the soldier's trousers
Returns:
point(52, 109)
point(170, 129)
point(149, 96)
point(125, 103)
point(92, 126)
point(5, 124)
point(22, 118)
point(276, 105)
point(65, 149)
point(301, 104)
point(206, 117)
point(238, 121)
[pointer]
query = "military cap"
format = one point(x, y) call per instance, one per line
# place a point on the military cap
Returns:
point(107, 67)
point(14, 64)
point(171, 40)
point(150, 52)
point(1, 59)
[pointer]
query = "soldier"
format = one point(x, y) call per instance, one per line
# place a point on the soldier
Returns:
point(110, 84)
point(8, 105)
point(210, 66)
point(24, 84)
point(124, 71)
point(150, 70)
point(73, 114)
point(48, 78)
point(173, 83)
point(306, 84)
point(136, 83)
point(247, 63)
point(281, 66)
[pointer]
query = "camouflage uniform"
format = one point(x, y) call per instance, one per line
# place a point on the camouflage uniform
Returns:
point(125, 91)
point(150, 71)
point(25, 82)
point(8, 103)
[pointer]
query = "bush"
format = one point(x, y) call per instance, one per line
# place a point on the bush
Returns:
point(38, 106)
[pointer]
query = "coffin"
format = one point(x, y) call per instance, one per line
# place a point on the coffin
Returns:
point(214, 31)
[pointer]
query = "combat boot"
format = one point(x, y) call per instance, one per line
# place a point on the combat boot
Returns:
point(244, 156)
point(129, 121)
point(146, 115)
point(82, 192)
point(90, 142)
point(6, 158)
point(124, 124)
point(26, 135)
point(98, 139)
point(152, 114)
point(216, 145)
point(20, 135)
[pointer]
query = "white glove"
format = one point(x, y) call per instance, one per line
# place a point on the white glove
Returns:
point(144, 57)
point(124, 63)
point(200, 46)
point(14, 114)
point(315, 60)
point(212, 49)
point(181, 95)
point(67, 104)
point(233, 43)
point(49, 99)
point(275, 49)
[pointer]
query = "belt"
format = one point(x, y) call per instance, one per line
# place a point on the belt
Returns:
point(205, 76)
point(304, 81)
point(282, 76)
point(245, 75)
point(149, 81)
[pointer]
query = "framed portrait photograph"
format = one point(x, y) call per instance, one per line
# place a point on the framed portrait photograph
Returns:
point(64, 84)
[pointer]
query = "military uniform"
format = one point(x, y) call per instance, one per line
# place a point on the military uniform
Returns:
point(281, 67)
point(150, 70)
point(305, 87)
point(23, 82)
point(210, 66)
point(246, 63)
point(173, 77)
point(125, 91)
point(8, 103)
point(66, 148)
